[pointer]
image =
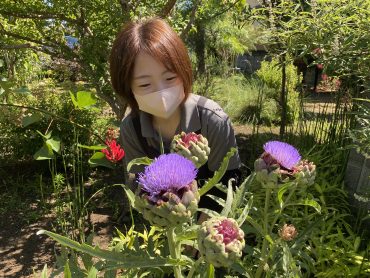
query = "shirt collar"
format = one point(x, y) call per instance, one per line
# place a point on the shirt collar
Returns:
point(147, 129)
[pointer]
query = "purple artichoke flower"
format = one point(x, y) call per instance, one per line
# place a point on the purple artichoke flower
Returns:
point(168, 193)
point(281, 153)
point(281, 162)
point(276, 163)
point(168, 173)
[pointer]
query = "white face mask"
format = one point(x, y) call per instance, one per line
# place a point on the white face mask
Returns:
point(161, 103)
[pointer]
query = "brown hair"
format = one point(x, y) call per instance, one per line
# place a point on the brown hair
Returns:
point(158, 39)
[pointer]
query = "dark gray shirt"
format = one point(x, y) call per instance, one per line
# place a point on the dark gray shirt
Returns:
point(208, 117)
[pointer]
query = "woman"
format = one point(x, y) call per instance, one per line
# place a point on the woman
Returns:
point(150, 69)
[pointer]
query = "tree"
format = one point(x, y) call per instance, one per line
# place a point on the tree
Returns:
point(334, 32)
point(44, 26)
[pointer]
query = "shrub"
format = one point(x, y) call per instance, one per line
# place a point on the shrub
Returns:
point(270, 73)
point(18, 142)
point(245, 100)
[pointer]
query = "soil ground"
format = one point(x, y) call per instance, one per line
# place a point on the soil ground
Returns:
point(22, 251)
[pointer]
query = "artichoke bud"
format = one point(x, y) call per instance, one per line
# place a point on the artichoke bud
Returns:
point(305, 172)
point(191, 146)
point(288, 232)
point(267, 175)
point(221, 241)
point(171, 208)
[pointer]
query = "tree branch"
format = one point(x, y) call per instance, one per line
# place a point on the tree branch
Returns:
point(186, 30)
point(44, 46)
point(15, 46)
point(40, 15)
point(223, 11)
point(167, 8)
point(17, 36)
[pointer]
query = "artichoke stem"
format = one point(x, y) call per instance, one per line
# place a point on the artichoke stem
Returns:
point(266, 230)
point(174, 250)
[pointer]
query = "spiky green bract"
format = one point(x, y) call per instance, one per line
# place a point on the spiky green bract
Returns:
point(168, 193)
point(171, 209)
point(267, 175)
point(221, 241)
point(192, 146)
point(305, 172)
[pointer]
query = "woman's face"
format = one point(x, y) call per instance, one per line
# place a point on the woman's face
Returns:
point(150, 75)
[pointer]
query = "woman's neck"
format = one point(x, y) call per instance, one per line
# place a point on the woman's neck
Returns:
point(167, 127)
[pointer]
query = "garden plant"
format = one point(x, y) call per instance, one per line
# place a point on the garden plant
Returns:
point(292, 75)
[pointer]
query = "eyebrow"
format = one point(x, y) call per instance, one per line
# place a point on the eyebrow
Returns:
point(141, 76)
point(147, 76)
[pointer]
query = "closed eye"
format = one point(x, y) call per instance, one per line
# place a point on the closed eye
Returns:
point(171, 78)
point(144, 85)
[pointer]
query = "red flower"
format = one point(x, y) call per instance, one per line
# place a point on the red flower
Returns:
point(114, 152)
point(320, 66)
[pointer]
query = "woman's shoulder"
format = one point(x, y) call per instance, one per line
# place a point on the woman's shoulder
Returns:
point(209, 107)
point(127, 122)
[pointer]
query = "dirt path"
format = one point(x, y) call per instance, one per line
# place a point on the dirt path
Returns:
point(21, 250)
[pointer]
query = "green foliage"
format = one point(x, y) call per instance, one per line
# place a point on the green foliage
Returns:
point(19, 139)
point(338, 28)
point(360, 134)
point(270, 73)
point(245, 100)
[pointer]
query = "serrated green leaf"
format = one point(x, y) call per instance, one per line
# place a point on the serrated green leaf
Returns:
point(189, 233)
point(243, 216)
point(45, 136)
point(218, 174)
point(28, 120)
point(115, 260)
point(310, 203)
point(99, 159)
point(67, 271)
point(54, 143)
point(210, 271)
point(130, 195)
point(237, 267)
point(218, 200)
point(139, 161)
point(73, 98)
point(87, 260)
point(85, 99)
point(241, 191)
point(281, 192)
point(209, 212)
point(229, 200)
point(44, 273)
point(45, 152)
point(93, 273)
point(94, 148)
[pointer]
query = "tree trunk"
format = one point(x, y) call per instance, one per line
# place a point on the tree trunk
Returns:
point(200, 48)
point(283, 98)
